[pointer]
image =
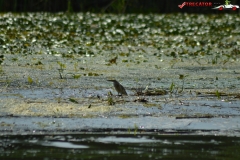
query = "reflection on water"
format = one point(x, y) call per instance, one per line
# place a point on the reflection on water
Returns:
point(64, 145)
point(102, 146)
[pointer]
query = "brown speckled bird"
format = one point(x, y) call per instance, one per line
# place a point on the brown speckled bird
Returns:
point(119, 88)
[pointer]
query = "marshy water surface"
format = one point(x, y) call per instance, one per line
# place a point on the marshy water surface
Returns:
point(181, 72)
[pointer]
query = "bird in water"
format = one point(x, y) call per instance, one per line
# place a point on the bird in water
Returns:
point(119, 88)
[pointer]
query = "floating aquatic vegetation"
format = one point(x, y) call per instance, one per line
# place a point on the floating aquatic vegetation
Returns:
point(82, 33)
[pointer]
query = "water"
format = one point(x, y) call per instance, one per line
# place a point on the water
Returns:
point(118, 146)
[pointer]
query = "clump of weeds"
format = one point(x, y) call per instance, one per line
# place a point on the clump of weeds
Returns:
point(110, 99)
point(61, 69)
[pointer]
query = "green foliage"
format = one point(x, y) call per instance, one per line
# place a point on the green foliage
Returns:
point(217, 94)
point(1, 59)
point(91, 74)
point(61, 69)
point(215, 60)
point(135, 129)
point(76, 76)
point(171, 88)
point(73, 100)
point(1, 70)
point(110, 99)
point(61, 65)
point(64, 55)
point(38, 63)
point(14, 59)
point(118, 6)
point(112, 61)
point(181, 76)
point(30, 80)
point(69, 8)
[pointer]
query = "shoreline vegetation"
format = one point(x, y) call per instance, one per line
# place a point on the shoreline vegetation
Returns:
point(108, 6)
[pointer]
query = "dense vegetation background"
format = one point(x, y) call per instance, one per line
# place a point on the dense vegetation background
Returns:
point(107, 6)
